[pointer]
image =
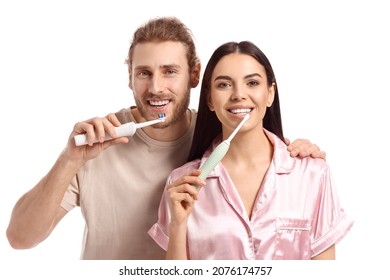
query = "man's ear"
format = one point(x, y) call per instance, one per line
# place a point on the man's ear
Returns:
point(130, 77)
point(271, 95)
point(195, 75)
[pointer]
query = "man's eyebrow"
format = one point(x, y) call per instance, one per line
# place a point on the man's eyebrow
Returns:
point(173, 65)
point(141, 67)
point(164, 66)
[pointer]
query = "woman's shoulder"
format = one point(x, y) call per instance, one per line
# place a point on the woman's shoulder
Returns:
point(311, 167)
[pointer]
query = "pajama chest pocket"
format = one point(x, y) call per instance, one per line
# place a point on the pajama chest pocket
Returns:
point(292, 239)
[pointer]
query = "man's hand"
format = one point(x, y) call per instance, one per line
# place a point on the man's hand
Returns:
point(304, 148)
point(95, 128)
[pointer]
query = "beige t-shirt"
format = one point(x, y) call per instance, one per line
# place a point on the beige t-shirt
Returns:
point(119, 193)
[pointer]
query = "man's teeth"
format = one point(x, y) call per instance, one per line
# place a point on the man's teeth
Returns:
point(159, 102)
point(240, 111)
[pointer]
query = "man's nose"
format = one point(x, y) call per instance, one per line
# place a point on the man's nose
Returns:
point(157, 84)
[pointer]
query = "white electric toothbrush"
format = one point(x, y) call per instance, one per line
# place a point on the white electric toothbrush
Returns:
point(127, 129)
point(219, 152)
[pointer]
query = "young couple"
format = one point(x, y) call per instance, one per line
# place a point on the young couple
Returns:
point(267, 198)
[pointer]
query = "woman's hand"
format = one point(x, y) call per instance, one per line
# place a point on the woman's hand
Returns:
point(182, 195)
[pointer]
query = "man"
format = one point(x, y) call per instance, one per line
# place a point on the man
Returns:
point(119, 189)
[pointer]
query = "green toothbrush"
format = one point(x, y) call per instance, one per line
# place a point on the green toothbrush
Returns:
point(219, 152)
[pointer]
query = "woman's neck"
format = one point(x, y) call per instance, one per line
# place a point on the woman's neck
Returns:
point(249, 148)
point(247, 161)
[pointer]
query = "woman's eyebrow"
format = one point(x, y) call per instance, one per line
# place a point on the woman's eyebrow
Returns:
point(222, 77)
point(253, 75)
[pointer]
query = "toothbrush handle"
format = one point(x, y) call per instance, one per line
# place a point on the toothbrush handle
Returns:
point(127, 129)
point(215, 157)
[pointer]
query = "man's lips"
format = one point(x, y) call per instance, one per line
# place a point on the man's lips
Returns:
point(158, 103)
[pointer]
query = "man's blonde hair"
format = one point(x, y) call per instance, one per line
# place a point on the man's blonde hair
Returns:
point(162, 30)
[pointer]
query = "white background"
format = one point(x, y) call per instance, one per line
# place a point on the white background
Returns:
point(63, 62)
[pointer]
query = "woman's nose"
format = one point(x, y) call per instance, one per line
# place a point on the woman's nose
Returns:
point(238, 93)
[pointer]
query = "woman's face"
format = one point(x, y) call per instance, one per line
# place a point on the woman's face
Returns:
point(239, 86)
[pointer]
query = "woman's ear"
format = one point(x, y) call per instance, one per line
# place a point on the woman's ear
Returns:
point(210, 104)
point(271, 95)
point(195, 75)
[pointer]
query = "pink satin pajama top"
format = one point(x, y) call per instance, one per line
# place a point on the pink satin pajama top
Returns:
point(297, 213)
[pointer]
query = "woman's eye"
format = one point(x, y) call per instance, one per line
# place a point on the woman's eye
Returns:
point(223, 85)
point(253, 83)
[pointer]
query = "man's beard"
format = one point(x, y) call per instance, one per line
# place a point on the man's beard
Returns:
point(179, 111)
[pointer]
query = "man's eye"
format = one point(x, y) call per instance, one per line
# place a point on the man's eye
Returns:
point(170, 72)
point(143, 73)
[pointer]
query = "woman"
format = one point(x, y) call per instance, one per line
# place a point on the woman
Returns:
point(258, 203)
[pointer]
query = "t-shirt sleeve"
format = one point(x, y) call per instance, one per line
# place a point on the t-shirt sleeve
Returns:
point(71, 196)
point(159, 231)
point(330, 222)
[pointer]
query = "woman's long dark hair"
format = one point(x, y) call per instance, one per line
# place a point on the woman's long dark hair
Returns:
point(208, 127)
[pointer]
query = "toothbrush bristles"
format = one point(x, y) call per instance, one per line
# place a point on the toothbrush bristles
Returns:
point(161, 116)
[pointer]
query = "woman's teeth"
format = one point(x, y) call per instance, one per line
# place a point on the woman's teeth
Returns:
point(240, 111)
